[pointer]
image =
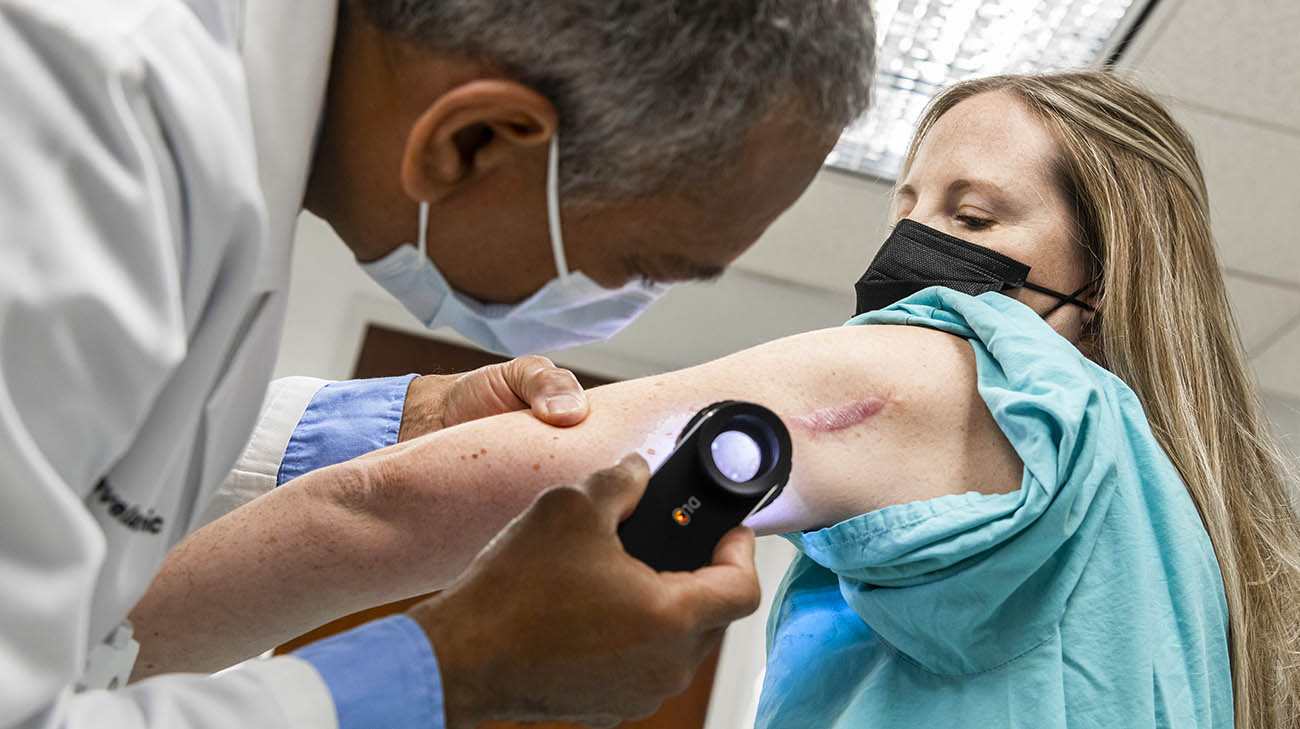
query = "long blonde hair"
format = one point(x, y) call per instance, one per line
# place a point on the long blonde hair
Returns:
point(1165, 328)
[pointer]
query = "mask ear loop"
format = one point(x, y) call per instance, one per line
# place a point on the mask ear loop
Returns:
point(423, 237)
point(553, 206)
point(1065, 298)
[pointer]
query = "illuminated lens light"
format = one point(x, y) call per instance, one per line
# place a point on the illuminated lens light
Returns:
point(924, 46)
point(681, 517)
point(737, 456)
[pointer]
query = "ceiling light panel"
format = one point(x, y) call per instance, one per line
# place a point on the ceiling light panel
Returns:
point(925, 46)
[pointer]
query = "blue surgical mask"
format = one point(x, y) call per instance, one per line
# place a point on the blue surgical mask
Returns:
point(569, 310)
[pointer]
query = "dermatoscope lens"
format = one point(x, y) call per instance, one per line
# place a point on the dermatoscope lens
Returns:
point(737, 455)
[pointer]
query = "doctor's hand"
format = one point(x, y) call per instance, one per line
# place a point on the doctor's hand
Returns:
point(434, 402)
point(554, 621)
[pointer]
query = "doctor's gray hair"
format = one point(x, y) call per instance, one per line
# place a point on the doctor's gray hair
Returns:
point(653, 94)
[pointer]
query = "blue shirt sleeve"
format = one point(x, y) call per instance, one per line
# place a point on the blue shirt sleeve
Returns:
point(382, 674)
point(345, 420)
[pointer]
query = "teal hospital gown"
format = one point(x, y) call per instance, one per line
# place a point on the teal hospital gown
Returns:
point(1090, 597)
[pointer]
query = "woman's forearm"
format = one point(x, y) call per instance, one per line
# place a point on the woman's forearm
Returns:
point(392, 524)
point(877, 415)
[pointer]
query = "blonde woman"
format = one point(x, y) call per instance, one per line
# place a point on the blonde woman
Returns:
point(1129, 619)
point(1052, 504)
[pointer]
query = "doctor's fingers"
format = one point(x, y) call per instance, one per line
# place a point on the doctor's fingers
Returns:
point(711, 597)
point(726, 590)
point(553, 393)
point(616, 491)
point(527, 382)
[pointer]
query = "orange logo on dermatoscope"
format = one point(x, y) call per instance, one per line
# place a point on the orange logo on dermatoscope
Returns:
point(682, 514)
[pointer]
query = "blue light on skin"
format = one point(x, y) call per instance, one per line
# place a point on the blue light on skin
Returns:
point(737, 455)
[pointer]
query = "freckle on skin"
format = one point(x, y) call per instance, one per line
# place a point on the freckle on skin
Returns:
point(483, 451)
point(476, 456)
point(552, 456)
point(537, 466)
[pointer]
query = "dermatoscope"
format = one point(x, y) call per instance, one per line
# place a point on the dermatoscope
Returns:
point(731, 459)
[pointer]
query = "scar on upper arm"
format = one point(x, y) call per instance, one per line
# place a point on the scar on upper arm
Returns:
point(839, 416)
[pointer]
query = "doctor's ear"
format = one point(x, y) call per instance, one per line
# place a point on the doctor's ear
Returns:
point(471, 131)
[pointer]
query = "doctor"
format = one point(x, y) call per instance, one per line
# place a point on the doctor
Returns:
point(531, 174)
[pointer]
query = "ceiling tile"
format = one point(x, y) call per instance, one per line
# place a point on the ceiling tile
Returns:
point(1261, 310)
point(1238, 57)
point(828, 237)
point(1279, 366)
point(1254, 180)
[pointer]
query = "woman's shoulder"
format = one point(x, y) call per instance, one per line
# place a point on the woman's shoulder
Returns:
point(1083, 440)
point(1040, 388)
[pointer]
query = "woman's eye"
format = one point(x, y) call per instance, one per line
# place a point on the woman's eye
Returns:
point(974, 223)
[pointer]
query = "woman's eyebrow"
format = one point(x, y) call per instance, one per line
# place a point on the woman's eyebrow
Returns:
point(976, 184)
point(997, 194)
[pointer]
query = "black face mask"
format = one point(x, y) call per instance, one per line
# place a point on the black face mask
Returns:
point(915, 257)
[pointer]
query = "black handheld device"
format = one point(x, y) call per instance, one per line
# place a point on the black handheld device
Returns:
point(731, 459)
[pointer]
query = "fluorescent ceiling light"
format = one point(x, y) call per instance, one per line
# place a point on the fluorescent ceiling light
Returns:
point(924, 46)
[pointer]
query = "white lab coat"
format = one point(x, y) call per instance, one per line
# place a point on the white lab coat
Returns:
point(153, 157)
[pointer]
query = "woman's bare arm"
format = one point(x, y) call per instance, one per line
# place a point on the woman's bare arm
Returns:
point(878, 415)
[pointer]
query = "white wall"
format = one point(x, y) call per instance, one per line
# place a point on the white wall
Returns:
point(1286, 416)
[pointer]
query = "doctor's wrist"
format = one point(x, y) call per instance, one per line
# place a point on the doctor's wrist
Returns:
point(462, 663)
point(426, 400)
